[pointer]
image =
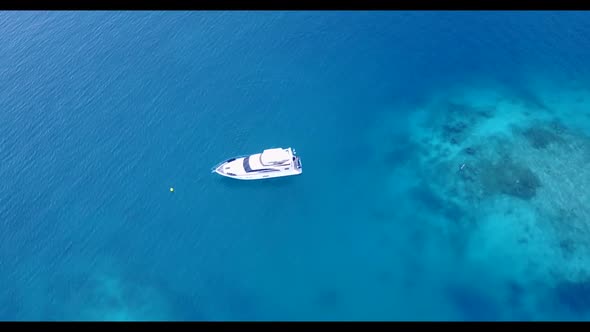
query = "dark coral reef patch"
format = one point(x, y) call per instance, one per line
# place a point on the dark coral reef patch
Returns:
point(541, 138)
point(509, 178)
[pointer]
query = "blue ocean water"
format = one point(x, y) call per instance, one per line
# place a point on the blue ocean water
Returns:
point(102, 112)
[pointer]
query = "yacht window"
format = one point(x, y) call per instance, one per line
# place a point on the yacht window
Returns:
point(246, 164)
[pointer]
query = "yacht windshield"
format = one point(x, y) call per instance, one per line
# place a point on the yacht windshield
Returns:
point(246, 164)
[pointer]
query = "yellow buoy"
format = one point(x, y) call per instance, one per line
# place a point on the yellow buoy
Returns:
point(171, 189)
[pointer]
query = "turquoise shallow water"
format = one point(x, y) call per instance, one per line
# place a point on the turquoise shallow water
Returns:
point(444, 166)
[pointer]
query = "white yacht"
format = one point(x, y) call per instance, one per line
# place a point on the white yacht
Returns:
point(270, 163)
